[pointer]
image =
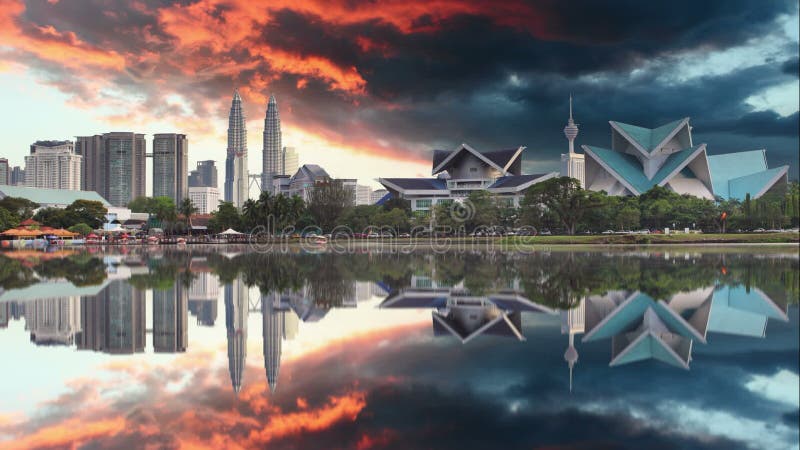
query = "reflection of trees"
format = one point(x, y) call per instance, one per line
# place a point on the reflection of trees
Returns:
point(81, 270)
point(14, 275)
point(164, 272)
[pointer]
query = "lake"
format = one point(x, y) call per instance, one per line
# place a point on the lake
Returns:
point(227, 347)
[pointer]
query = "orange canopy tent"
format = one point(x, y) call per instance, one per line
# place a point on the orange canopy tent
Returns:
point(21, 232)
point(62, 233)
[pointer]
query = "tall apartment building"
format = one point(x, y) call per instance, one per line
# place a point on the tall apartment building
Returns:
point(53, 165)
point(18, 176)
point(205, 175)
point(5, 171)
point(204, 198)
point(125, 175)
point(170, 166)
point(290, 161)
point(93, 165)
point(114, 165)
point(363, 194)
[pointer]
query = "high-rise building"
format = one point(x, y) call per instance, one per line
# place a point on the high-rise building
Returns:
point(170, 166)
point(125, 165)
point(5, 171)
point(205, 175)
point(236, 311)
point(573, 164)
point(53, 165)
point(272, 153)
point(236, 174)
point(170, 319)
point(93, 165)
point(290, 161)
point(273, 332)
point(18, 176)
point(363, 194)
point(205, 199)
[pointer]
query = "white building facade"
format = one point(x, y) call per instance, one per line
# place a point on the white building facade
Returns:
point(53, 165)
point(205, 199)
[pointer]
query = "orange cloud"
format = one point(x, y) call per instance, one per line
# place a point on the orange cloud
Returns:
point(68, 434)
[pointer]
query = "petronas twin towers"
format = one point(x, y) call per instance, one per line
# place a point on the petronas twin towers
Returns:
point(236, 174)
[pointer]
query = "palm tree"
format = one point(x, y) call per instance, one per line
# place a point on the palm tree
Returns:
point(187, 208)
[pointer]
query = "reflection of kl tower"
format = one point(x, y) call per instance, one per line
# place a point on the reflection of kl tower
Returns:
point(573, 322)
point(236, 310)
point(572, 164)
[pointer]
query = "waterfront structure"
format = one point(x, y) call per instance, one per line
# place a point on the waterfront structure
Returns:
point(462, 171)
point(572, 164)
point(53, 165)
point(272, 151)
point(205, 175)
point(51, 198)
point(18, 176)
point(125, 173)
point(5, 171)
point(236, 312)
point(205, 199)
point(290, 161)
point(93, 164)
point(377, 195)
point(363, 195)
point(641, 158)
point(170, 166)
point(236, 173)
point(170, 319)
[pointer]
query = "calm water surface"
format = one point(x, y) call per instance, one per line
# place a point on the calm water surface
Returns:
point(225, 348)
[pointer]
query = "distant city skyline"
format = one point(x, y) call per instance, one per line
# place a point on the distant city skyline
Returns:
point(366, 89)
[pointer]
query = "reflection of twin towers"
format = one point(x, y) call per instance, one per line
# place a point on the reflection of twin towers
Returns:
point(639, 326)
point(281, 313)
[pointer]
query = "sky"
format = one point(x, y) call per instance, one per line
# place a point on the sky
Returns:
point(369, 90)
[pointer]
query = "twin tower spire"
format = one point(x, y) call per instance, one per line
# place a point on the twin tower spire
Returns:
point(236, 174)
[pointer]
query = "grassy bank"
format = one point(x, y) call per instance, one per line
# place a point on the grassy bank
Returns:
point(749, 238)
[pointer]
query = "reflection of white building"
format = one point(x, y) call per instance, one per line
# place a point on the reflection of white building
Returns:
point(573, 321)
point(464, 315)
point(203, 295)
point(236, 312)
point(53, 321)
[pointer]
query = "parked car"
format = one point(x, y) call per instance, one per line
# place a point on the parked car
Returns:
point(759, 230)
point(608, 232)
point(546, 233)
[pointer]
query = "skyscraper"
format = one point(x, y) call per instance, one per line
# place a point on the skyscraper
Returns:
point(272, 156)
point(572, 164)
point(205, 175)
point(291, 161)
point(236, 173)
point(93, 164)
point(18, 176)
point(273, 331)
point(5, 171)
point(236, 310)
point(53, 165)
point(114, 320)
point(170, 166)
point(125, 176)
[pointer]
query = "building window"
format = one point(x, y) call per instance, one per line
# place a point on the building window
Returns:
point(423, 203)
point(473, 170)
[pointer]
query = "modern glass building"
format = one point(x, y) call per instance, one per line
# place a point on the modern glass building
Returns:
point(170, 166)
point(125, 176)
point(272, 154)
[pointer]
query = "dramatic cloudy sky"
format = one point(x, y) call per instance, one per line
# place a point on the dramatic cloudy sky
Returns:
point(368, 89)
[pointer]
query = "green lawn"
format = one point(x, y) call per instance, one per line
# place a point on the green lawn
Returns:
point(749, 238)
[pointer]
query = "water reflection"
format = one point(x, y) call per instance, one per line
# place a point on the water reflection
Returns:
point(649, 306)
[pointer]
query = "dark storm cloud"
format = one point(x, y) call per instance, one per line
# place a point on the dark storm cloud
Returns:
point(791, 67)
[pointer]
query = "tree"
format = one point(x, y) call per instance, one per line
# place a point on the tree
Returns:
point(564, 199)
point(80, 228)
point(90, 212)
point(328, 201)
point(141, 205)
point(7, 219)
point(20, 207)
point(186, 209)
point(226, 216)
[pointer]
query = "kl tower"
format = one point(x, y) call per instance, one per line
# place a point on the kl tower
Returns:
point(572, 164)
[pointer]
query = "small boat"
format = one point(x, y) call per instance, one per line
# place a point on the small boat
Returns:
point(152, 240)
point(320, 240)
point(180, 241)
